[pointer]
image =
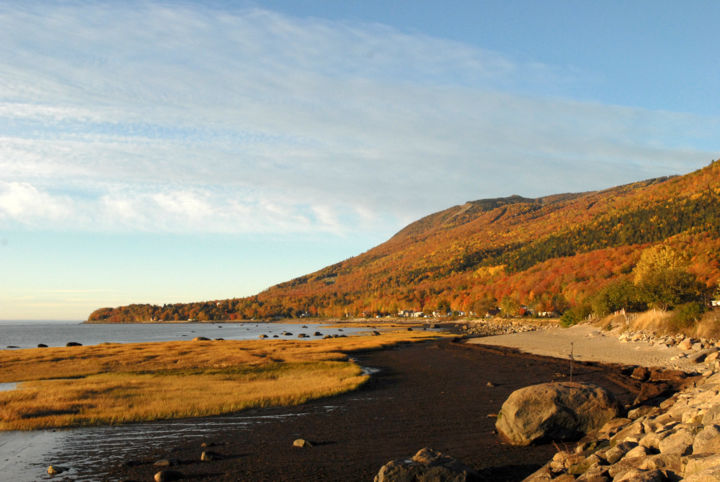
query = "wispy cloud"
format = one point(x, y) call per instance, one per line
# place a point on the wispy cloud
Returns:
point(188, 119)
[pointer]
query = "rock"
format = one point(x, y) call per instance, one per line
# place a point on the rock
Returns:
point(263, 336)
point(636, 452)
point(317, 333)
point(612, 427)
point(554, 411)
point(209, 456)
point(56, 469)
point(42, 345)
point(614, 454)
point(697, 464)
point(712, 356)
point(426, 465)
point(650, 392)
point(165, 463)
point(302, 335)
point(636, 475)
point(640, 373)
point(678, 443)
point(73, 343)
point(707, 440)
point(641, 411)
point(302, 443)
point(200, 338)
point(168, 476)
point(376, 333)
point(595, 474)
point(712, 415)
point(490, 384)
point(409, 329)
point(562, 461)
point(662, 462)
point(686, 344)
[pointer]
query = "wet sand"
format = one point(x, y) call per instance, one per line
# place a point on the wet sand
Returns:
point(429, 395)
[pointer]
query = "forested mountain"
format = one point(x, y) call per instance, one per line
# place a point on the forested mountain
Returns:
point(549, 253)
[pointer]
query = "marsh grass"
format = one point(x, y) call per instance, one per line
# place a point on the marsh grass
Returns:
point(121, 383)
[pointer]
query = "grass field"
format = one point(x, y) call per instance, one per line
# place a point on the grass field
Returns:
point(121, 383)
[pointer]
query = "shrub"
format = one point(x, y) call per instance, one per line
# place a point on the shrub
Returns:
point(576, 314)
point(685, 315)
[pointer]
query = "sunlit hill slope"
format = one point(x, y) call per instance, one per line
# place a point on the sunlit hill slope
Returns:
point(547, 253)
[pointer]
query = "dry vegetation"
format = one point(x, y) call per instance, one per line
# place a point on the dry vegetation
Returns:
point(119, 383)
point(661, 322)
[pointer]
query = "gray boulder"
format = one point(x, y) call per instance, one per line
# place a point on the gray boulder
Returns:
point(554, 411)
point(427, 465)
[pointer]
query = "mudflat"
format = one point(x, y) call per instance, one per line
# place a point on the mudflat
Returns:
point(439, 394)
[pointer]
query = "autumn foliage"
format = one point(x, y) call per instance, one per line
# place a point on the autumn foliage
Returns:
point(549, 254)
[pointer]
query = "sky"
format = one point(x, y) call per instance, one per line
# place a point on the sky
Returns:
point(163, 152)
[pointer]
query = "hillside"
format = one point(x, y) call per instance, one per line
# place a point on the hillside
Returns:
point(548, 253)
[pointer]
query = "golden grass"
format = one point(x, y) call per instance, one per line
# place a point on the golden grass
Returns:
point(661, 322)
point(120, 383)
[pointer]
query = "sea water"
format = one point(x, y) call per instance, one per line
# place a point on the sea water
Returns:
point(30, 334)
point(25, 456)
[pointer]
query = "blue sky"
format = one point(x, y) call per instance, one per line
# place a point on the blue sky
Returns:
point(180, 151)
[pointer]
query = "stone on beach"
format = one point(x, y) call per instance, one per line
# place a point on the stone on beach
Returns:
point(168, 476)
point(302, 443)
point(426, 465)
point(554, 411)
point(56, 469)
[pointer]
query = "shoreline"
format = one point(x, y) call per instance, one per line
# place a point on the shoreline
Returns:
point(435, 394)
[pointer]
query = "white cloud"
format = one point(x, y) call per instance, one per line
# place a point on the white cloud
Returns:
point(148, 117)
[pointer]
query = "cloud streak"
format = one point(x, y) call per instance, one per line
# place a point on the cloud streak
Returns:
point(144, 117)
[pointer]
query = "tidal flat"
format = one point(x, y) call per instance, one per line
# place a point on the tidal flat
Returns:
point(123, 383)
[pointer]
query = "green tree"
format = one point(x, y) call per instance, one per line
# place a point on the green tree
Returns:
point(619, 295)
point(668, 288)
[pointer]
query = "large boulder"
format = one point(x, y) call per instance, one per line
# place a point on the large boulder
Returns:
point(554, 411)
point(427, 465)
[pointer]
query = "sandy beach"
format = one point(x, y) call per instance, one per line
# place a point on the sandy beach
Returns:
point(591, 344)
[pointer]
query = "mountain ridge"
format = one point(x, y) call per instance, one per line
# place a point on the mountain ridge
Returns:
point(550, 252)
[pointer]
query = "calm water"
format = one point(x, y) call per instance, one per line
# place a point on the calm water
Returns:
point(25, 456)
point(30, 334)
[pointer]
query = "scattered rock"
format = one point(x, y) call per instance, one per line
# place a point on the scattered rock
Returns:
point(209, 456)
point(73, 343)
point(707, 440)
point(263, 336)
point(165, 463)
point(554, 411)
point(376, 333)
point(168, 476)
point(317, 333)
point(686, 344)
point(678, 443)
point(302, 335)
point(490, 384)
point(426, 465)
point(200, 338)
point(56, 469)
point(302, 443)
point(42, 345)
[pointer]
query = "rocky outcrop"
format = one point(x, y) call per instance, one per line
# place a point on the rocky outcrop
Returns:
point(425, 466)
point(678, 440)
point(554, 411)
